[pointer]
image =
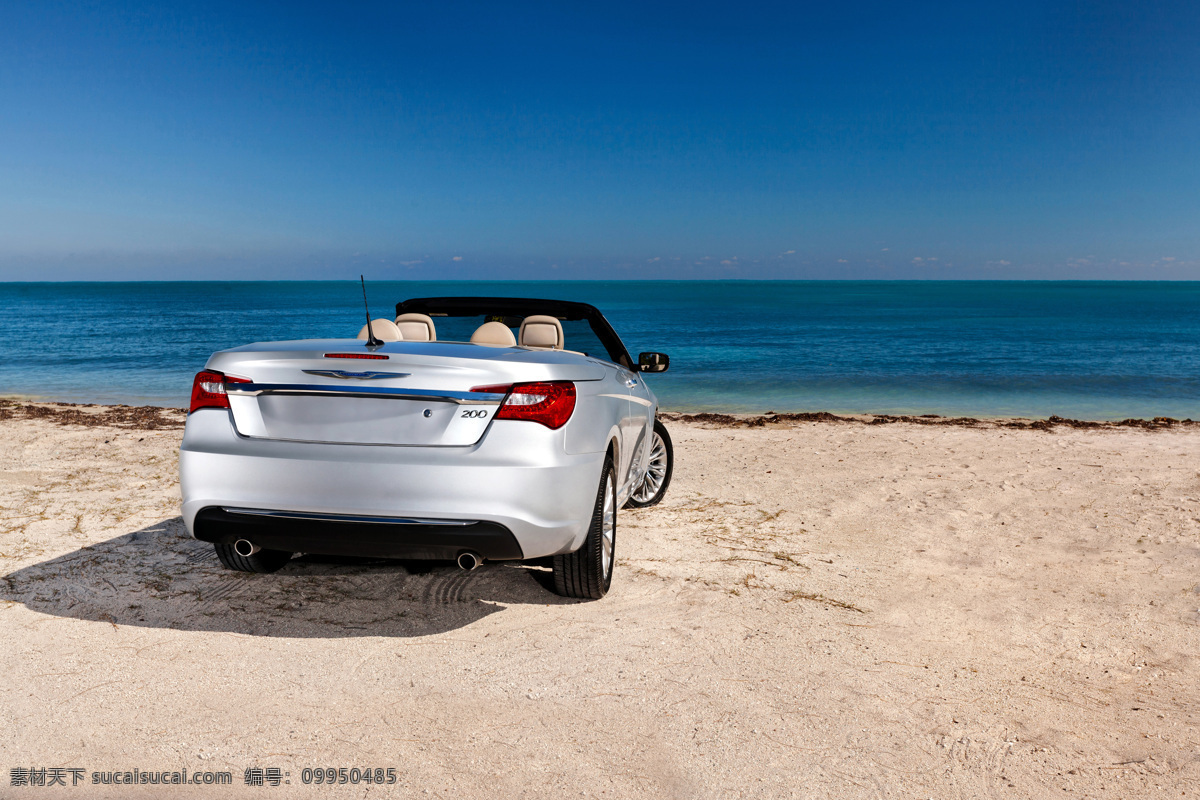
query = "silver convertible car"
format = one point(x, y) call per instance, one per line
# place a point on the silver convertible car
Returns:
point(470, 429)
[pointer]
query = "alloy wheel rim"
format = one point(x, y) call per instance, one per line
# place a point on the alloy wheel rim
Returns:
point(655, 474)
point(608, 527)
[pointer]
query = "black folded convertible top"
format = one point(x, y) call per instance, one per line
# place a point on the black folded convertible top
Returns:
point(522, 307)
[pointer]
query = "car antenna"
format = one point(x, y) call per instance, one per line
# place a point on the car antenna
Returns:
point(371, 340)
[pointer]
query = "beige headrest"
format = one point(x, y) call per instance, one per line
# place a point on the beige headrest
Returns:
point(384, 329)
point(494, 333)
point(541, 331)
point(416, 328)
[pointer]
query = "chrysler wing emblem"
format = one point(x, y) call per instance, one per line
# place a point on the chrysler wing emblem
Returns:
point(362, 376)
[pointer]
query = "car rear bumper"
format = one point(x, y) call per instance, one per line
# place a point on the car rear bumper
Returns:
point(336, 534)
point(518, 479)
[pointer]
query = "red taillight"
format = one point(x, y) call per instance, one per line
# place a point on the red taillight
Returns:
point(208, 390)
point(357, 355)
point(550, 403)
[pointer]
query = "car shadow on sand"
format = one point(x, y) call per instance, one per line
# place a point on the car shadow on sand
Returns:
point(159, 577)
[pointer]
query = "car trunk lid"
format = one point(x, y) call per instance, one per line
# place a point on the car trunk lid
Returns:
point(416, 394)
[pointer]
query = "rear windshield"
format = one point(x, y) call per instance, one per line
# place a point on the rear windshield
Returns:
point(577, 333)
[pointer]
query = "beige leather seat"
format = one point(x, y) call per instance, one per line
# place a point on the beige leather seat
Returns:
point(542, 332)
point(384, 329)
point(416, 328)
point(496, 334)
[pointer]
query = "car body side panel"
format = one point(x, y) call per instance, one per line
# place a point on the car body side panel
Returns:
point(644, 406)
point(606, 401)
point(629, 423)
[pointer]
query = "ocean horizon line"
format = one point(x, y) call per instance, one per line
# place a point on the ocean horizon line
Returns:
point(108, 281)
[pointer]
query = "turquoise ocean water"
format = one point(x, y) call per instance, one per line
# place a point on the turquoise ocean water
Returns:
point(1092, 350)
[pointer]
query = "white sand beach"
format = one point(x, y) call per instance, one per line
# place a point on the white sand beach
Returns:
point(817, 610)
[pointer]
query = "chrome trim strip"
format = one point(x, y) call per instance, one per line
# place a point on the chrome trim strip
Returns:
point(260, 512)
point(434, 395)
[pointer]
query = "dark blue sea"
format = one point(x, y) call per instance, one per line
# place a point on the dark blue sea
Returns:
point(1091, 350)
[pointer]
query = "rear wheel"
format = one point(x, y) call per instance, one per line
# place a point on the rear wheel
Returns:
point(587, 573)
point(262, 561)
point(658, 475)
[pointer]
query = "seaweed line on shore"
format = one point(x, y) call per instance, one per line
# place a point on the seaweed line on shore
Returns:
point(159, 418)
point(1048, 424)
point(92, 415)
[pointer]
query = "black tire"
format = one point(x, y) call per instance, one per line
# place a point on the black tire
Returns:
point(585, 573)
point(644, 495)
point(262, 561)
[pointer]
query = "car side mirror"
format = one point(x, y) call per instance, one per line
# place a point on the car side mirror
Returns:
point(653, 362)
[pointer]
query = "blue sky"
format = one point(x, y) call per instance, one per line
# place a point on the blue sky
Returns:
point(573, 140)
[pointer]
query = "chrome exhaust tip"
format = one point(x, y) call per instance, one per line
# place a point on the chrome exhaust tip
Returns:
point(469, 561)
point(245, 548)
